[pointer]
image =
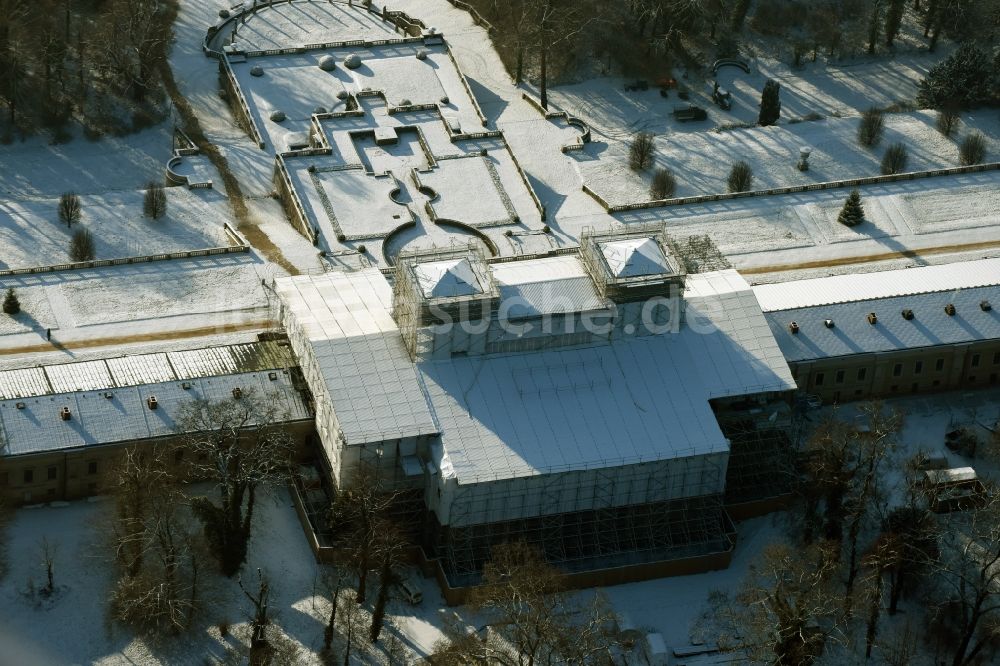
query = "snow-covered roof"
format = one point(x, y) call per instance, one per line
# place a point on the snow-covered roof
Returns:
point(145, 369)
point(637, 399)
point(34, 424)
point(546, 286)
point(345, 320)
point(447, 278)
point(885, 284)
point(851, 332)
point(635, 257)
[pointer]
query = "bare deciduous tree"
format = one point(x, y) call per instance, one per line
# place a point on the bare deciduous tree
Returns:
point(360, 516)
point(788, 608)
point(241, 447)
point(154, 201)
point(965, 578)
point(69, 209)
point(154, 545)
point(531, 619)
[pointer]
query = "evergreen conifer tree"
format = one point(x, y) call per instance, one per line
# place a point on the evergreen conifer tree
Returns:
point(853, 213)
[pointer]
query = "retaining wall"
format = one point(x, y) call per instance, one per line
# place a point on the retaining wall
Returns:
point(828, 185)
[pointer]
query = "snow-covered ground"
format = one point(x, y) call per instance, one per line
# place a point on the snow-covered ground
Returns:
point(32, 235)
point(701, 161)
point(74, 628)
point(41, 169)
point(672, 607)
point(113, 306)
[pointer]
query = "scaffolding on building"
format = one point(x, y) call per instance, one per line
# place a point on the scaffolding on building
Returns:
point(413, 309)
point(631, 287)
point(593, 540)
point(606, 535)
point(762, 453)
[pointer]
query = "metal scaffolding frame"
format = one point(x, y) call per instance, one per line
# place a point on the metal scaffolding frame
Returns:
point(592, 540)
point(412, 310)
point(605, 535)
point(761, 456)
point(632, 288)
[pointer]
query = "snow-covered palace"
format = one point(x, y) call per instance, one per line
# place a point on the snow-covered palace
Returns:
point(603, 403)
point(615, 398)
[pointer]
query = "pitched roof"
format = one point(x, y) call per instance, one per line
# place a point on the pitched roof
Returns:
point(883, 284)
point(635, 257)
point(447, 278)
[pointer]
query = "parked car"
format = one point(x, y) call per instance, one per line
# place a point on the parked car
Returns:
point(409, 587)
point(689, 112)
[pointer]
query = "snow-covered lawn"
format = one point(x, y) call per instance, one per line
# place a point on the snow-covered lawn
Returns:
point(36, 168)
point(295, 24)
point(829, 90)
point(701, 161)
point(360, 202)
point(32, 235)
point(467, 192)
point(74, 629)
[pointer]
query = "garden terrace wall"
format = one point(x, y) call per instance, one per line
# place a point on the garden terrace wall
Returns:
point(477, 18)
point(238, 102)
point(468, 89)
point(140, 259)
point(290, 201)
point(827, 185)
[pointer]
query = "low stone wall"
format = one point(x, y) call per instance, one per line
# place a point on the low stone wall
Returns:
point(238, 103)
point(294, 209)
point(827, 185)
point(477, 18)
point(142, 259)
point(549, 114)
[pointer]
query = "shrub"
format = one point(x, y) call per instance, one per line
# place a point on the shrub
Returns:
point(735, 125)
point(740, 177)
point(963, 79)
point(81, 246)
point(663, 185)
point(947, 121)
point(154, 203)
point(894, 160)
point(640, 154)
point(770, 104)
point(11, 305)
point(69, 209)
point(853, 213)
point(871, 126)
point(972, 150)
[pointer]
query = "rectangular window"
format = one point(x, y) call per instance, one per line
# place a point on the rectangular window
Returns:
point(939, 364)
point(51, 473)
point(975, 361)
point(818, 381)
point(996, 358)
point(862, 373)
point(897, 370)
point(29, 475)
point(92, 467)
point(840, 376)
point(918, 367)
